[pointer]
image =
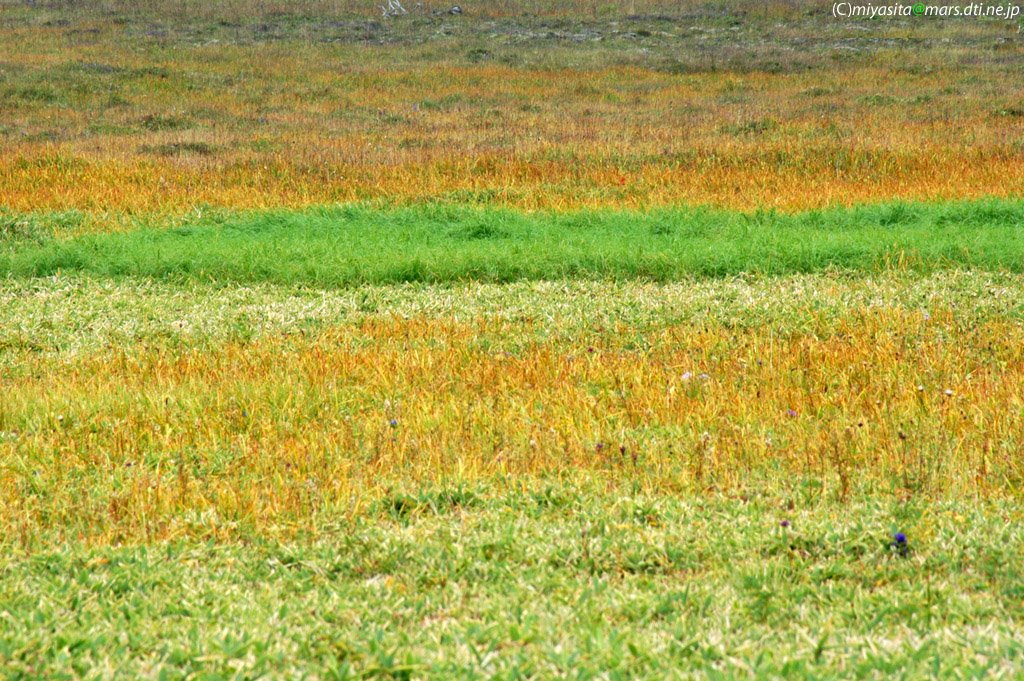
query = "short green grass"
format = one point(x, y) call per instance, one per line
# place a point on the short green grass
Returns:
point(547, 582)
point(350, 245)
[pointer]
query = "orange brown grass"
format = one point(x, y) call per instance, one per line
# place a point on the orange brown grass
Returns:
point(270, 435)
point(295, 124)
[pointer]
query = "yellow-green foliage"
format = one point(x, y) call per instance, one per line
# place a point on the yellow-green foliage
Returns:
point(272, 431)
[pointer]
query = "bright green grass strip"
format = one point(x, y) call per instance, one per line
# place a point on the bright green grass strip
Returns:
point(541, 583)
point(349, 245)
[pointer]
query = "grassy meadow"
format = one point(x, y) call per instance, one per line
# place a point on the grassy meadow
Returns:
point(574, 339)
point(158, 107)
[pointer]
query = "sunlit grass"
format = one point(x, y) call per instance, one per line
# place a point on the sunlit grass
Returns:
point(69, 315)
point(455, 427)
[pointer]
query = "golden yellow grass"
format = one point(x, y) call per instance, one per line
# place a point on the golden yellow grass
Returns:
point(295, 124)
point(279, 435)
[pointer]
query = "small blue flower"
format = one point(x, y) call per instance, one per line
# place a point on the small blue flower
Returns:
point(900, 545)
point(393, 423)
point(784, 523)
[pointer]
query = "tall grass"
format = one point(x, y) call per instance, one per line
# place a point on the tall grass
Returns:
point(145, 113)
point(279, 431)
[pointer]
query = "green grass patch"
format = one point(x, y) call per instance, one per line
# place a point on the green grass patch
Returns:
point(349, 245)
point(540, 583)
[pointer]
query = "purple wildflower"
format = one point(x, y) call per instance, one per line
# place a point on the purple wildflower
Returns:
point(899, 543)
